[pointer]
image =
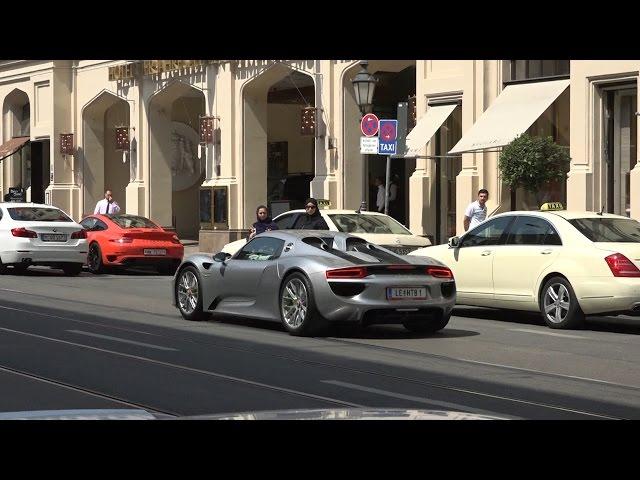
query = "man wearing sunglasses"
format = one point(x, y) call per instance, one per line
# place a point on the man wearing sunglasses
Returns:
point(312, 220)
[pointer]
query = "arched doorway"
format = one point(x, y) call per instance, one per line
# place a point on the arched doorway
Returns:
point(396, 83)
point(29, 167)
point(103, 167)
point(176, 170)
point(279, 161)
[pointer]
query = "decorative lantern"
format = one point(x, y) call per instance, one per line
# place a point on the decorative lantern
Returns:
point(308, 121)
point(206, 130)
point(66, 143)
point(411, 113)
point(122, 138)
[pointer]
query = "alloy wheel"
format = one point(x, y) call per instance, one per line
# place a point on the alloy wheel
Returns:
point(556, 303)
point(294, 303)
point(93, 260)
point(188, 292)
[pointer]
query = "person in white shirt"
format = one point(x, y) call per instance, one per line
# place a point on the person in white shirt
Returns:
point(107, 205)
point(380, 198)
point(476, 212)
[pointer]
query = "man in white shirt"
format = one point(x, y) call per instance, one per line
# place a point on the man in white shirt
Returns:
point(476, 212)
point(107, 205)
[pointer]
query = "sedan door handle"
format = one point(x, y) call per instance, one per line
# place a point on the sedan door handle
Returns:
point(485, 253)
point(546, 252)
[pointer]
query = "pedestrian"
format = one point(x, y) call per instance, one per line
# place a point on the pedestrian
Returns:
point(393, 197)
point(311, 220)
point(380, 195)
point(264, 223)
point(476, 212)
point(107, 205)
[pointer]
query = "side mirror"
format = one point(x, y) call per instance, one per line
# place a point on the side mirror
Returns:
point(221, 257)
point(454, 242)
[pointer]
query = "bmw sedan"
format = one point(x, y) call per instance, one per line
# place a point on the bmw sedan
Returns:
point(35, 234)
point(563, 264)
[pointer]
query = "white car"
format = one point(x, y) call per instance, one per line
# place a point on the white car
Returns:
point(373, 227)
point(36, 234)
point(564, 264)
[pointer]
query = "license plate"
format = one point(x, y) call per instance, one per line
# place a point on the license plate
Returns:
point(155, 251)
point(53, 237)
point(406, 293)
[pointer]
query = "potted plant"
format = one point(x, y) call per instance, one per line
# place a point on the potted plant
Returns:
point(532, 162)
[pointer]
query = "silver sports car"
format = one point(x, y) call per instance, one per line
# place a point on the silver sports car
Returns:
point(307, 279)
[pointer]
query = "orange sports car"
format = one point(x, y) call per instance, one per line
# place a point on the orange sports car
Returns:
point(122, 240)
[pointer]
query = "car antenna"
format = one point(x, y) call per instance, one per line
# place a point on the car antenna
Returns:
point(602, 209)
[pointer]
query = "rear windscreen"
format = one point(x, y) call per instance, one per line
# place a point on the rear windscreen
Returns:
point(617, 230)
point(37, 214)
point(132, 221)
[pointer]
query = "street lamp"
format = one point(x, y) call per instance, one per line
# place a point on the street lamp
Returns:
point(364, 84)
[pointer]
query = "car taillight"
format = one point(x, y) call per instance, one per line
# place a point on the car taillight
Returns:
point(122, 240)
point(79, 234)
point(439, 272)
point(23, 232)
point(175, 239)
point(621, 266)
point(348, 272)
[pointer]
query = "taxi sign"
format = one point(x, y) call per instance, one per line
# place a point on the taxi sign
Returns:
point(323, 203)
point(551, 206)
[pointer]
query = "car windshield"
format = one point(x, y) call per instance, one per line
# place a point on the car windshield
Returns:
point(606, 229)
point(362, 223)
point(37, 214)
point(132, 221)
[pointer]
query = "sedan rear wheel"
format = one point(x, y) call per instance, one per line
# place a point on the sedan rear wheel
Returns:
point(188, 292)
point(560, 307)
point(298, 310)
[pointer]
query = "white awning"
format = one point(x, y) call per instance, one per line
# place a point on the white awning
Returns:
point(426, 127)
point(511, 114)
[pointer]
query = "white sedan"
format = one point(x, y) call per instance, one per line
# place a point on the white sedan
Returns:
point(36, 234)
point(564, 264)
point(373, 227)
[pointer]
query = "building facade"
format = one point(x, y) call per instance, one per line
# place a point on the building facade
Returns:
point(256, 151)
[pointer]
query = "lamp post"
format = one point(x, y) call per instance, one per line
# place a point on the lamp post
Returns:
point(364, 84)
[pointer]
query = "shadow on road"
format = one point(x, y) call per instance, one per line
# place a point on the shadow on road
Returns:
point(54, 272)
point(612, 324)
point(391, 332)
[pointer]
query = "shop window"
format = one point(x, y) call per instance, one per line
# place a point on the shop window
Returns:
point(531, 69)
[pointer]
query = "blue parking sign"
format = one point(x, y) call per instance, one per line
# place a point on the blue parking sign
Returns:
point(388, 137)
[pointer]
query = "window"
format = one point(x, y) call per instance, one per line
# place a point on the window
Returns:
point(608, 229)
point(527, 69)
point(286, 222)
point(532, 231)
point(363, 223)
point(37, 214)
point(132, 221)
point(88, 223)
point(261, 249)
point(488, 233)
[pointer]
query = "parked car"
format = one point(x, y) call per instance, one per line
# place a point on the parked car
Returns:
point(307, 279)
point(374, 227)
point(122, 240)
point(564, 264)
point(36, 234)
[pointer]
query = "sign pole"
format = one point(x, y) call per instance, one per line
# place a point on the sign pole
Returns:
point(386, 186)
